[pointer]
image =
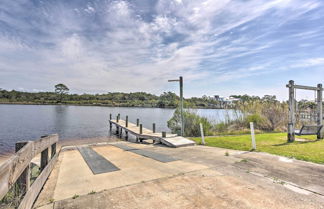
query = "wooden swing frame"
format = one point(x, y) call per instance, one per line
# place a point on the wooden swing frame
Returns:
point(306, 129)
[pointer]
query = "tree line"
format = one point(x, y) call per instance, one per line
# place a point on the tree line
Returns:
point(61, 95)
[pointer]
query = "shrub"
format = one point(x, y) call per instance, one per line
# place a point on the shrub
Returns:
point(191, 123)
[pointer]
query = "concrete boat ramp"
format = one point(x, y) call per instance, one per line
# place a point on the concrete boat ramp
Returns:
point(131, 175)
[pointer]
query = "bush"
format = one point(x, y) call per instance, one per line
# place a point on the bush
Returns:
point(191, 123)
point(266, 115)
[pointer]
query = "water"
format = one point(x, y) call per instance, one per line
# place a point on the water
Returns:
point(29, 122)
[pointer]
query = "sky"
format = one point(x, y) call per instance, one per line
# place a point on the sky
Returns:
point(220, 47)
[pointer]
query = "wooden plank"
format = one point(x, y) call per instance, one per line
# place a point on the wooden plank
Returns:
point(5, 170)
point(306, 87)
point(44, 143)
point(38, 184)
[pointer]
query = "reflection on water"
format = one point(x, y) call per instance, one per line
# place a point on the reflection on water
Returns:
point(29, 122)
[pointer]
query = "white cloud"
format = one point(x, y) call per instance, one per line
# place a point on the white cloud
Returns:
point(110, 46)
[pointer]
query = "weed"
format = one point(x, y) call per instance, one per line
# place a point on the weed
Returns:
point(92, 192)
point(75, 196)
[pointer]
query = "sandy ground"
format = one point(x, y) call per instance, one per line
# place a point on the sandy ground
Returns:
point(202, 177)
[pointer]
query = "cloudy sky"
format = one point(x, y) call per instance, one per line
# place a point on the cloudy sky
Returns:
point(219, 46)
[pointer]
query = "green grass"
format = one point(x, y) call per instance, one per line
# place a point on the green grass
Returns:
point(274, 143)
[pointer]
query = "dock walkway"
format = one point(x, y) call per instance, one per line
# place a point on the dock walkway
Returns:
point(171, 140)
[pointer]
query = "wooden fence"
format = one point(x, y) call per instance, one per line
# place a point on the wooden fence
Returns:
point(17, 168)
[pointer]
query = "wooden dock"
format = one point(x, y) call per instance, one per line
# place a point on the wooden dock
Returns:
point(141, 133)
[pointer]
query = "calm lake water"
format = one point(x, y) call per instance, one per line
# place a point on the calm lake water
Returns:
point(29, 122)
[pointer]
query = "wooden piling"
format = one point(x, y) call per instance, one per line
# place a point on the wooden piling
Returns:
point(153, 127)
point(202, 134)
point(137, 122)
point(141, 128)
point(291, 115)
point(126, 120)
point(117, 130)
point(252, 136)
point(117, 119)
point(163, 134)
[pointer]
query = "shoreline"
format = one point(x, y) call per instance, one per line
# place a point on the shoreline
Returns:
point(103, 105)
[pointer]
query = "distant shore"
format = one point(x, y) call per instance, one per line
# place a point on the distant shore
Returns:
point(101, 105)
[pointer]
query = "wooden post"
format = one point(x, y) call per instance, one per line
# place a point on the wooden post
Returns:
point(137, 122)
point(126, 135)
point(202, 134)
point(252, 136)
point(320, 110)
point(117, 129)
point(163, 134)
point(153, 127)
point(44, 159)
point(53, 150)
point(117, 118)
point(141, 128)
point(110, 124)
point(126, 120)
point(181, 105)
point(291, 116)
point(23, 182)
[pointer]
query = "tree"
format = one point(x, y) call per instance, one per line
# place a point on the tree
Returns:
point(61, 90)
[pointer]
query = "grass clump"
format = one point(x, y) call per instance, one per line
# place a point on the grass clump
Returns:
point(92, 192)
point(75, 196)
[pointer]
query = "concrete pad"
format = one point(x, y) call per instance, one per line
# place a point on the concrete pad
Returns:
point(75, 177)
point(204, 177)
point(204, 189)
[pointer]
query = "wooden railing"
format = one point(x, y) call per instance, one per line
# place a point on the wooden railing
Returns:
point(17, 168)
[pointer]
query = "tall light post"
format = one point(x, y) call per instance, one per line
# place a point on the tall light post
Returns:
point(180, 80)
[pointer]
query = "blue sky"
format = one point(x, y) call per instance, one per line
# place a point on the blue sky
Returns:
point(219, 46)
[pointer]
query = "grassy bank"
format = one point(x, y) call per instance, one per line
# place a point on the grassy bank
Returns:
point(274, 143)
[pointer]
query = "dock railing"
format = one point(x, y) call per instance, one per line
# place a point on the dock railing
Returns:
point(16, 170)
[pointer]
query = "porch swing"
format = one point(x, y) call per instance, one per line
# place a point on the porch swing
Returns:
point(308, 129)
